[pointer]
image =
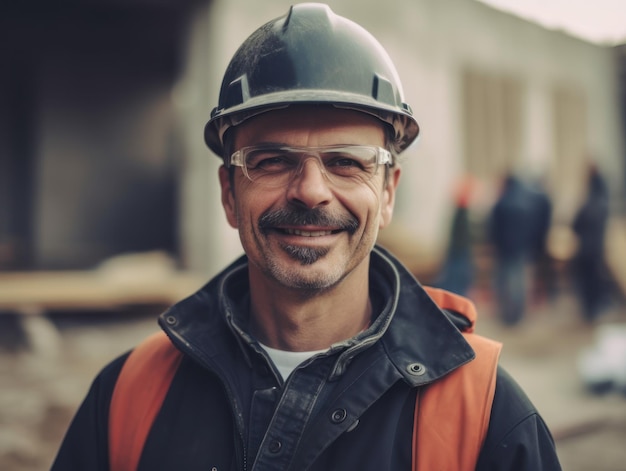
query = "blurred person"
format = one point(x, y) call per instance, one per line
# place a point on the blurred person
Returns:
point(544, 280)
point(458, 269)
point(317, 349)
point(511, 230)
point(588, 264)
point(602, 365)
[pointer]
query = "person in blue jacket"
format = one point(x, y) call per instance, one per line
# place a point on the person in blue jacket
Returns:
point(511, 230)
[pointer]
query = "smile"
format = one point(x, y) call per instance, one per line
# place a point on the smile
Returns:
point(303, 233)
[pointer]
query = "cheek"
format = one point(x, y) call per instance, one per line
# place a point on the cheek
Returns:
point(366, 204)
point(253, 202)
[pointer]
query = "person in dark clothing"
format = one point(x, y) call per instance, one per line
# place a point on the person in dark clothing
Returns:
point(511, 232)
point(588, 265)
point(545, 276)
point(458, 269)
point(317, 349)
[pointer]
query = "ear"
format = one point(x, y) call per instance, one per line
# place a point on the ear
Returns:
point(228, 197)
point(389, 197)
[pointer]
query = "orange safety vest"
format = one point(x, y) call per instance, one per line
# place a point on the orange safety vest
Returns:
point(451, 415)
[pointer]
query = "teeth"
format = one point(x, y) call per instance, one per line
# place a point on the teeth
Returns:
point(307, 233)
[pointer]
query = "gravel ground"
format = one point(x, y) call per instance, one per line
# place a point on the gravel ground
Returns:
point(43, 385)
point(542, 355)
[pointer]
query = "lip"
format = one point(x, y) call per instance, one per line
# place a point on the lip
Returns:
point(307, 232)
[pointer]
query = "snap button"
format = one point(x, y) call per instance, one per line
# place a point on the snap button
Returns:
point(353, 426)
point(416, 369)
point(171, 320)
point(275, 446)
point(339, 416)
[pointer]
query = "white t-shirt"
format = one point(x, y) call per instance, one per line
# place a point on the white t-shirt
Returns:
point(286, 361)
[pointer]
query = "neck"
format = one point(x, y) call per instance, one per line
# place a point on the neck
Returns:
point(288, 319)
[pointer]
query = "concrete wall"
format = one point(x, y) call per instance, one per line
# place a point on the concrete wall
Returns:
point(432, 43)
point(88, 158)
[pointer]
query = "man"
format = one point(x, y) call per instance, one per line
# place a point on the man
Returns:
point(588, 264)
point(317, 350)
point(511, 230)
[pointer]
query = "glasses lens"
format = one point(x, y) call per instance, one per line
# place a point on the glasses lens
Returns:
point(269, 166)
point(351, 163)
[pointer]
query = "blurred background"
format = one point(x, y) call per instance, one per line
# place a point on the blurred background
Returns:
point(514, 194)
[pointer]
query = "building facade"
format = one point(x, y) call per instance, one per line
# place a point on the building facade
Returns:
point(102, 124)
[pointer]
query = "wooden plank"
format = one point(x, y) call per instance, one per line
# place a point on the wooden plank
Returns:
point(84, 290)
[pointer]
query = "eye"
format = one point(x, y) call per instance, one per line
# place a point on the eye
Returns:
point(269, 161)
point(342, 162)
point(346, 165)
point(346, 162)
point(348, 168)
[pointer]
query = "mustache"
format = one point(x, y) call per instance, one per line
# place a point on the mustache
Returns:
point(304, 216)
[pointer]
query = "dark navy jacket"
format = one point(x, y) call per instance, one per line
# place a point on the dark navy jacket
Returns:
point(350, 408)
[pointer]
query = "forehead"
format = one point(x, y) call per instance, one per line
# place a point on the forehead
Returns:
point(311, 126)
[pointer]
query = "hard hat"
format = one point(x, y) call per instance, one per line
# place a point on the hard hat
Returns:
point(311, 56)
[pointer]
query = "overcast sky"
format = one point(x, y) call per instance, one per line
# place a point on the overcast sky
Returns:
point(598, 21)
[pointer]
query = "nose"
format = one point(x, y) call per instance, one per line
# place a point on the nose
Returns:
point(310, 186)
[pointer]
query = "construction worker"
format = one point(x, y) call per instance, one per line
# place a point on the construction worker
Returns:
point(317, 350)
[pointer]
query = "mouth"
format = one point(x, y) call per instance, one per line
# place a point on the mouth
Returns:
point(312, 223)
point(307, 233)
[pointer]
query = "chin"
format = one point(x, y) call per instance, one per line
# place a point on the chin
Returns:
point(306, 276)
point(305, 255)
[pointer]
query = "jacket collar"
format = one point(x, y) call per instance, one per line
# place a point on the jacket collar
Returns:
point(416, 336)
point(422, 341)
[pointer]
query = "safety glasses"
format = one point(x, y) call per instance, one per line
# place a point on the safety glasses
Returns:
point(276, 166)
